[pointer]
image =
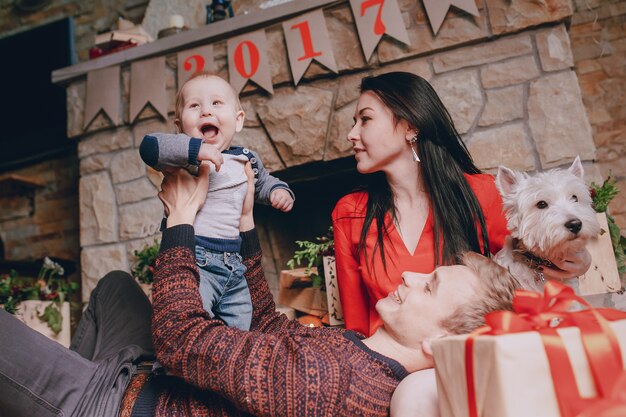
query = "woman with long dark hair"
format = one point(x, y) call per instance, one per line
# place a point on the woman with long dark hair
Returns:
point(424, 202)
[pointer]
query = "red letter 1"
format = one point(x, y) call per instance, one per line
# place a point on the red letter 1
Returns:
point(307, 42)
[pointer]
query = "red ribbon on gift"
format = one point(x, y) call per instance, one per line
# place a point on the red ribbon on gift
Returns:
point(544, 313)
point(614, 406)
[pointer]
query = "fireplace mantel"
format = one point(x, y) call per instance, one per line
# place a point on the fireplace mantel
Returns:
point(188, 39)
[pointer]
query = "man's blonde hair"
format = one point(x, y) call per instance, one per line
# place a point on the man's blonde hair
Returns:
point(180, 100)
point(495, 290)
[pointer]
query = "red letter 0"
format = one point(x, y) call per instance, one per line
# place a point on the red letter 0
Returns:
point(254, 59)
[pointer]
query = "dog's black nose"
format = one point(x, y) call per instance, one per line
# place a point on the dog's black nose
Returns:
point(574, 225)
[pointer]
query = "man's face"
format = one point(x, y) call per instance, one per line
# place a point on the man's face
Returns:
point(414, 311)
point(210, 111)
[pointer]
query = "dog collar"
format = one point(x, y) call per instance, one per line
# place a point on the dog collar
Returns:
point(534, 262)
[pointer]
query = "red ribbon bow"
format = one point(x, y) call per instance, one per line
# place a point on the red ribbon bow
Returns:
point(544, 313)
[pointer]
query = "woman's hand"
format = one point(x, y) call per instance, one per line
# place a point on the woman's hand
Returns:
point(574, 264)
point(183, 194)
point(247, 220)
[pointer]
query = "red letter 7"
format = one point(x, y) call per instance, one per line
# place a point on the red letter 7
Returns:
point(379, 26)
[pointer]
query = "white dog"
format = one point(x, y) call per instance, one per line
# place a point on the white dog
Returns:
point(548, 214)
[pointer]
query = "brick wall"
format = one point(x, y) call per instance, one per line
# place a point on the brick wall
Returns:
point(42, 221)
point(598, 38)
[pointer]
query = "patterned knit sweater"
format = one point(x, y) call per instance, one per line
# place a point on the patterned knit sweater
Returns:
point(278, 368)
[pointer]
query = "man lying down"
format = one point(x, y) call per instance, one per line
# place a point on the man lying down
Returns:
point(278, 368)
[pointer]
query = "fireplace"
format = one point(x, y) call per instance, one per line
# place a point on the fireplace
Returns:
point(506, 77)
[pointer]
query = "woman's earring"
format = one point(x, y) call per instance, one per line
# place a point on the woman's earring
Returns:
point(413, 143)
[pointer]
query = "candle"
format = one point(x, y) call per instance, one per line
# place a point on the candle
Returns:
point(176, 21)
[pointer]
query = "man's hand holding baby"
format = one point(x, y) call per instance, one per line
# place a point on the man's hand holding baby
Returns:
point(212, 154)
point(281, 200)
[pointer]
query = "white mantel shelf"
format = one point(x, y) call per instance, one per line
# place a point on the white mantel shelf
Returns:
point(191, 38)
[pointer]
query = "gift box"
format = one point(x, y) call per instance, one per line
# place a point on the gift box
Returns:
point(29, 311)
point(335, 311)
point(517, 373)
point(296, 291)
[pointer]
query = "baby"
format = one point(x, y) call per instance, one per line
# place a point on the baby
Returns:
point(208, 114)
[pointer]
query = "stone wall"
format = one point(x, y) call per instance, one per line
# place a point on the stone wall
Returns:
point(505, 76)
point(598, 37)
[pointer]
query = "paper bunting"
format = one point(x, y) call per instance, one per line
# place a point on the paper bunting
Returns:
point(147, 85)
point(247, 60)
point(103, 94)
point(194, 60)
point(373, 19)
point(437, 10)
point(307, 39)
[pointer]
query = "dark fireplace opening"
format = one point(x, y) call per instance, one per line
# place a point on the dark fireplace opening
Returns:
point(317, 186)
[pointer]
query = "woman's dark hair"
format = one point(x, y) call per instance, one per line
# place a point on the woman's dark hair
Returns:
point(444, 160)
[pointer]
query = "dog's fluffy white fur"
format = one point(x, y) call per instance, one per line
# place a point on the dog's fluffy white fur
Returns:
point(550, 213)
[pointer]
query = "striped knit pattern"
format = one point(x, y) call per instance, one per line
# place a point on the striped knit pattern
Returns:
point(279, 368)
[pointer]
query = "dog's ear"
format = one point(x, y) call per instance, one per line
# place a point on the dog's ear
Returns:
point(576, 168)
point(506, 180)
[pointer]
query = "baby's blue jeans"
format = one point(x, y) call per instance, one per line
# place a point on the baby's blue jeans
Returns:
point(223, 287)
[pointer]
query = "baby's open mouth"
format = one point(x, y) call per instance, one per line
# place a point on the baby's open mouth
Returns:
point(209, 131)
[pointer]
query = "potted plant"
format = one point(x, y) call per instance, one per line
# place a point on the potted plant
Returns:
point(311, 255)
point(607, 251)
point(602, 195)
point(42, 302)
point(322, 294)
point(143, 268)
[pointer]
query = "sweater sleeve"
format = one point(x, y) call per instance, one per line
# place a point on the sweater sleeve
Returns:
point(352, 292)
point(265, 318)
point(161, 150)
point(252, 370)
point(266, 183)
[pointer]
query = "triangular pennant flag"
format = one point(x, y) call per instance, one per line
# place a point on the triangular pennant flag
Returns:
point(147, 85)
point(247, 60)
point(437, 10)
point(194, 60)
point(103, 93)
point(305, 45)
point(374, 18)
